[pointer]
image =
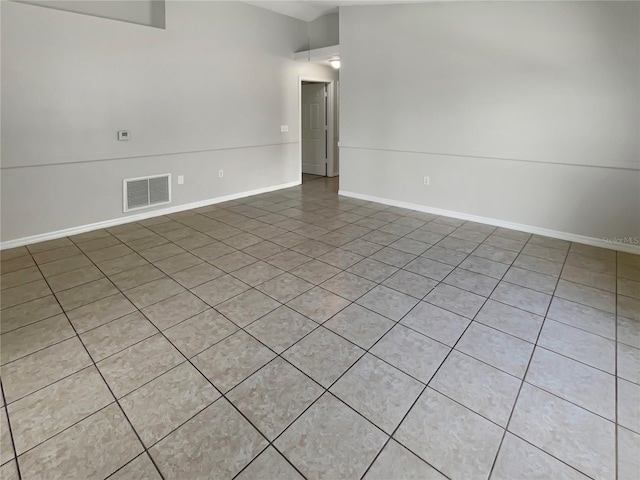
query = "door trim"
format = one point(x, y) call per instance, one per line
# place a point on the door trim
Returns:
point(332, 171)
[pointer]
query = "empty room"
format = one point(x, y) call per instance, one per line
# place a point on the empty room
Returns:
point(278, 240)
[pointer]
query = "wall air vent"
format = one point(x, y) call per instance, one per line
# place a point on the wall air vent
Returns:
point(145, 192)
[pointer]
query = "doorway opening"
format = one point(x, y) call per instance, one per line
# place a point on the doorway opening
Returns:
point(318, 145)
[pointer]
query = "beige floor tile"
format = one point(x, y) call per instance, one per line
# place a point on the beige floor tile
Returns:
point(16, 252)
point(9, 471)
point(331, 430)
point(359, 325)
point(281, 328)
point(540, 265)
point(121, 264)
point(511, 320)
point(176, 396)
point(411, 352)
point(74, 278)
point(429, 268)
point(455, 300)
point(592, 297)
point(628, 402)
point(15, 264)
point(378, 391)
point(138, 364)
point(348, 285)
point(140, 468)
point(194, 276)
point(372, 270)
point(318, 304)
point(521, 460)
point(98, 243)
point(247, 307)
point(257, 273)
point(522, 298)
point(629, 363)
point(628, 447)
point(508, 353)
point(577, 437)
point(161, 252)
point(285, 287)
point(533, 280)
point(20, 277)
point(485, 266)
point(6, 447)
point(24, 293)
point(274, 396)
point(393, 257)
point(100, 312)
point(56, 254)
point(72, 454)
point(576, 382)
point(583, 317)
point(231, 443)
point(230, 361)
point(117, 335)
point(217, 291)
point(270, 464)
point(583, 346)
point(89, 292)
point(395, 461)
point(471, 281)
point(478, 386)
point(49, 411)
point(453, 439)
point(26, 340)
point(178, 262)
point(628, 288)
point(323, 355)
point(109, 253)
point(200, 332)
point(410, 283)
point(435, 322)
point(628, 307)
point(136, 276)
point(174, 309)
point(153, 292)
point(35, 371)
point(388, 302)
point(340, 258)
point(65, 265)
point(28, 313)
point(589, 278)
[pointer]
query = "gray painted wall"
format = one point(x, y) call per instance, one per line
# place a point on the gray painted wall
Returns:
point(325, 31)
point(210, 92)
point(143, 12)
point(525, 112)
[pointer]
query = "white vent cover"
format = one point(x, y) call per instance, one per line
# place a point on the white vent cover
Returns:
point(145, 192)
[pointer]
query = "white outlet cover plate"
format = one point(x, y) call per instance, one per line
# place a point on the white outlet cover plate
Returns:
point(284, 128)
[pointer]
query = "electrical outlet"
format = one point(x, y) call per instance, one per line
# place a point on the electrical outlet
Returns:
point(284, 128)
point(427, 181)
point(221, 173)
point(123, 135)
point(180, 179)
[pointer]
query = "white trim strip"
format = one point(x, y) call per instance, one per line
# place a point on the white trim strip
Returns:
point(571, 237)
point(19, 242)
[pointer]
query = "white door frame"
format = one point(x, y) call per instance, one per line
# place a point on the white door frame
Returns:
point(331, 170)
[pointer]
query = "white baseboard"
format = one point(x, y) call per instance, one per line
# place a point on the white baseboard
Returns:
point(571, 237)
point(19, 242)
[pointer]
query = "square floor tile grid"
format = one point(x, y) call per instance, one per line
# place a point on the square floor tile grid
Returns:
point(169, 291)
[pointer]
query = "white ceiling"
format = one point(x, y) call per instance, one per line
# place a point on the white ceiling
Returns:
point(311, 9)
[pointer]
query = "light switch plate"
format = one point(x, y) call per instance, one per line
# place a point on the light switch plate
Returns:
point(180, 179)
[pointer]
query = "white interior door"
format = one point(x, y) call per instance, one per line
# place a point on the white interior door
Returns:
point(314, 132)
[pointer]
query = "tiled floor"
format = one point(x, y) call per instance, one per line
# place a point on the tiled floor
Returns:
point(300, 334)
